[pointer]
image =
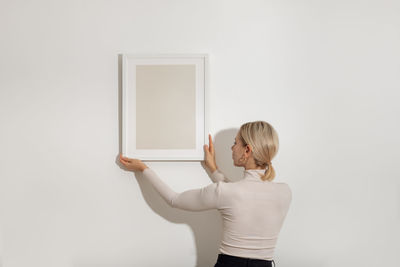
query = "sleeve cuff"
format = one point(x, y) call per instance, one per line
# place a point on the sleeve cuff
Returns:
point(214, 173)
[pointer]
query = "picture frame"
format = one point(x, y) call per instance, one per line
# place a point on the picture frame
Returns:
point(164, 105)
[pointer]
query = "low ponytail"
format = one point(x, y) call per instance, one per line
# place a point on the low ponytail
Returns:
point(269, 174)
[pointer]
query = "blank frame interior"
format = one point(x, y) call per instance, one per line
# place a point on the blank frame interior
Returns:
point(164, 107)
point(170, 88)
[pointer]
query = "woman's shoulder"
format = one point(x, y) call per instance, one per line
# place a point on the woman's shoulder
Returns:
point(284, 187)
point(285, 190)
point(282, 183)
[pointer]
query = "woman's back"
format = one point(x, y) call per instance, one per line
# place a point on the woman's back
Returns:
point(253, 212)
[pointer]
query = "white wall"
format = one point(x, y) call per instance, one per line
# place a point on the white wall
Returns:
point(325, 74)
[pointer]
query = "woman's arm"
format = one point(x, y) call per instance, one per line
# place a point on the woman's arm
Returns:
point(194, 200)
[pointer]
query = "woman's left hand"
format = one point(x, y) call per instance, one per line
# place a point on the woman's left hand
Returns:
point(132, 164)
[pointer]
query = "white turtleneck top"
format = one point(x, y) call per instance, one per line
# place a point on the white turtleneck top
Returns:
point(253, 210)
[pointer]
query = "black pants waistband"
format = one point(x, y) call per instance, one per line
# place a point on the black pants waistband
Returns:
point(241, 261)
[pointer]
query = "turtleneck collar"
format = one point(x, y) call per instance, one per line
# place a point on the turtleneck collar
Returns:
point(253, 174)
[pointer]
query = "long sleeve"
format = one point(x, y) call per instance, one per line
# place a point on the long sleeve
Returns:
point(193, 200)
point(217, 176)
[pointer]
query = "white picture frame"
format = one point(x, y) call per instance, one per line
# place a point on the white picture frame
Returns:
point(164, 105)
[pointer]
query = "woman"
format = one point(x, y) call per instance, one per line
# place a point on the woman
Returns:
point(253, 209)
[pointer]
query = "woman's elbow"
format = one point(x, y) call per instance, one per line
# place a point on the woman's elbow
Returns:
point(173, 201)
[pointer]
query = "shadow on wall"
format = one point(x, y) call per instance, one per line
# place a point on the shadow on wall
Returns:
point(223, 141)
point(206, 225)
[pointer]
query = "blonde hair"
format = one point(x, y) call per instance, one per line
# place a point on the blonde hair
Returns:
point(263, 139)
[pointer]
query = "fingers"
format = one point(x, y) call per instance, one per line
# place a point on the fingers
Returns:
point(210, 140)
point(124, 159)
point(211, 143)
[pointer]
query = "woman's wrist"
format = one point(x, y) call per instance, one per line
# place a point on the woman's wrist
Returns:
point(144, 167)
point(213, 169)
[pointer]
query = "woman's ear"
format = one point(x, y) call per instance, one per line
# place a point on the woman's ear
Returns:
point(248, 149)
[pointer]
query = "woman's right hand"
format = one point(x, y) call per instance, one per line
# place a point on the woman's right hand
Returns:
point(209, 155)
